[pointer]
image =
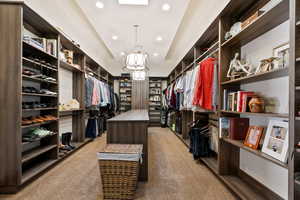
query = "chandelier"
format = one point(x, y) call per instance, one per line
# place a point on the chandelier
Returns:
point(137, 59)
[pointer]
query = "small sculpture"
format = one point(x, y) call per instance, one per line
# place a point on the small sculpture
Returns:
point(266, 65)
point(257, 105)
point(236, 68)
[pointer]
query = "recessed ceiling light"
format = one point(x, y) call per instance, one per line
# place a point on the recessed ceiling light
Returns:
point(99, 4)
point(159, 38)
point(133, 2)
point(114, 37)
point(122, 53)
point(155, 54)
point(166, 7)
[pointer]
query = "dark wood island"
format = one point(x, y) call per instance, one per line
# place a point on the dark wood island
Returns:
point(131, 128)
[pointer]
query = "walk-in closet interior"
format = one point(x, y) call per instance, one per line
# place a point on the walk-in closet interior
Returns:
point(144, 99)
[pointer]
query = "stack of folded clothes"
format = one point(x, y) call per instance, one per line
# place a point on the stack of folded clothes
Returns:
point(36, 134)
point(37, 119)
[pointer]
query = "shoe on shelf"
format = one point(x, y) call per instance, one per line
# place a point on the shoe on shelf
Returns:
point(50, 79)
point(47, 92)
point(26, 121)
point(28, 72)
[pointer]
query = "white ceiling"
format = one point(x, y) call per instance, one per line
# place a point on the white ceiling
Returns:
point(115, 19)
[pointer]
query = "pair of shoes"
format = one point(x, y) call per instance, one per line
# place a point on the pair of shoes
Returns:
point(66, 141)
point(32, 105)
point(42, 62)
point(35, 104)
point(31, 90)
point(48, 92)
point(37, 119)
point(28, 72)
point(36, 134)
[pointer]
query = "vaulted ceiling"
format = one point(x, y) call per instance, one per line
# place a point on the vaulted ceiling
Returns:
point(93, 28)
point(114, 25)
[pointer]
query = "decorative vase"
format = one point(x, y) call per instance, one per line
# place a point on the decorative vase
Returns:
point(257, 105)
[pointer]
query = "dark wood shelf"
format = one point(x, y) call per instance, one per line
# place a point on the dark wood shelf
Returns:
point(243, 189)
point(39, 64)
point(36, 152)
point(37, 50)
point(77, 146)
point(36, 170)
point(40, 109)
point(39, 124)
point(279, 115)
point(258, 77)
point(211, 163)
point(69, 67)
point(264, 23)
point(66, 113)
point(37, 79)
point(240, 144)
point(39, 95)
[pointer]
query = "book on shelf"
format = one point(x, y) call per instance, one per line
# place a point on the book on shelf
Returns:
point(238, 128)
point(237, 101)
point(224, 127)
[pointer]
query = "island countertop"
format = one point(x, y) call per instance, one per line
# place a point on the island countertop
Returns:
point(133, 115)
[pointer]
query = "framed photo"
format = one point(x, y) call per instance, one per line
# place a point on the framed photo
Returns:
point(281, 52)
point(254, 136)
point(276, 142)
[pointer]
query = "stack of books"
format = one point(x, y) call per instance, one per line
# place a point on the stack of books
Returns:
point(237, 101)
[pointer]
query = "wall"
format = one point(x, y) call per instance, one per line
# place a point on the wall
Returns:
point(271, 175)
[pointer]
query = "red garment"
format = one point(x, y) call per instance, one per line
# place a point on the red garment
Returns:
point(204, 84)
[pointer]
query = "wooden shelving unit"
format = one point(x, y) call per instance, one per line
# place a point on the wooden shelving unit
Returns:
point(17, 167)
point(294, 92)
point(225, 164)
point(125, 92)
point(155, 91)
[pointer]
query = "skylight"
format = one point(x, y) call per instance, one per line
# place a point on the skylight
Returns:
point(134, 2)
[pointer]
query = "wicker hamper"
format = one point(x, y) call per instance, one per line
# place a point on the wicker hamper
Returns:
point(119, 168)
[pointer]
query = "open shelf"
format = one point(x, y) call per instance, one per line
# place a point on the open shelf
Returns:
point(38, 124)
point(69, 67)
point(37, 50)
point(39, 109)
point(36, 152)
point(77, 145)
point(39, 95)
point(37, 79)
point(36, 170)
point(39, 64)
point(211, 163)
point(258, 77)
point(279, 115)
point(241, 188)
point(265, 22)
point(240, 144)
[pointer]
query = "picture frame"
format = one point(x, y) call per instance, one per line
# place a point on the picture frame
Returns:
point(254, 136)
point(276, 141)
point(281, 52)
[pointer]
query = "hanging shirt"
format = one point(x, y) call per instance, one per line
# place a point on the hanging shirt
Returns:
point(204, 84)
